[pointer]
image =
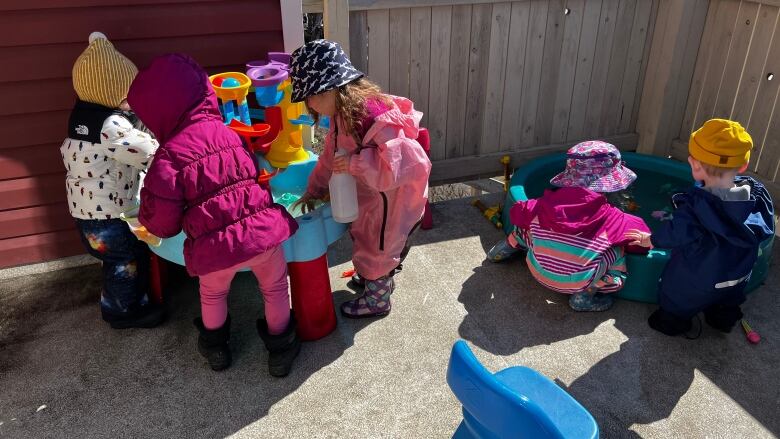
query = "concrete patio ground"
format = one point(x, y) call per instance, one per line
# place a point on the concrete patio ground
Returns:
point(64, 373)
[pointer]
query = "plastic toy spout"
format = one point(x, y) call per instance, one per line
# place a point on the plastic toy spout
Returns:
point(506, 160)
point(493, 214)
point(751, 335)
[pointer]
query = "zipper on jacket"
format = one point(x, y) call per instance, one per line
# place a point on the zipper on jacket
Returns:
point(384, 222)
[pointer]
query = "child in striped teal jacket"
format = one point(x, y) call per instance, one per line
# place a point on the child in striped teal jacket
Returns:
point(575, 239)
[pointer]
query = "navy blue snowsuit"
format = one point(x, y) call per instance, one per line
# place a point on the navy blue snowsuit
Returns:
point(714, 246)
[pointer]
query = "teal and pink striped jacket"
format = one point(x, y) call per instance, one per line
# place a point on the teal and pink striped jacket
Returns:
point(575, 239)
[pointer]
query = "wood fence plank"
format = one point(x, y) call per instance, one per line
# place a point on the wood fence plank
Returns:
point(551, 62)
point(585, 56)
point(477, 82)
point(634, 64)
point(770, 149)
point(496, 77)
point(533, 71)
point(766, 100)
point(706, 48)
point(358, 40)
point(645, 66)
point(735, 62)
point(441, 29)
point(511, 127)
point(335, 17)
point(686, 50)
point(379, 47)
point(488, 165)
point(460, 44)
point(568, 69)
point(672, 59)
point(754, 64)
point(598, 82)
point(723, 28)
point(420, 68)
point(400, 50)
point(612, 110)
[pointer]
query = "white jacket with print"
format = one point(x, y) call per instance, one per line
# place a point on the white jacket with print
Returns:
point(104, 179)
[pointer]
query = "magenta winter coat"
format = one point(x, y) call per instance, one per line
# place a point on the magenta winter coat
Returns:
point(579, 212)
point(202, 178)
point(391, 170)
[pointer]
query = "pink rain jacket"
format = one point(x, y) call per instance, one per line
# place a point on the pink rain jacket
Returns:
point(392, 172)
point(202, 178)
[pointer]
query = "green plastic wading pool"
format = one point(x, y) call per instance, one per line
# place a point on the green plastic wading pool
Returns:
point(657, 179)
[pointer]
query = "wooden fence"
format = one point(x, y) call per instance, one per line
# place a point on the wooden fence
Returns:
point(496, 77)
point(737, 76)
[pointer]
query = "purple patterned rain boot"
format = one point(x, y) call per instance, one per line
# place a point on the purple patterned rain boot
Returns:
point(374, 302)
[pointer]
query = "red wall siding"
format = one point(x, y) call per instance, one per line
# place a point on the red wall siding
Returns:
point(40, 40)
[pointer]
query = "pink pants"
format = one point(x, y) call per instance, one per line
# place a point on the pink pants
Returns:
point(270, 269)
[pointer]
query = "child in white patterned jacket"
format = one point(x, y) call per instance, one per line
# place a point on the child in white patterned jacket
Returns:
point(105, 156)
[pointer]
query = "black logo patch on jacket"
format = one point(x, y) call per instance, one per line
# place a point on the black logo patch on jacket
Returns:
point(86, 121)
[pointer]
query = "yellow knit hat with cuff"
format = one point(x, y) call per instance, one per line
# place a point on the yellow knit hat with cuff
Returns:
point(721, 143)
point(102, 75)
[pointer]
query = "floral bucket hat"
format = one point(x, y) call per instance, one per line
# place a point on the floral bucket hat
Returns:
point(594, 165)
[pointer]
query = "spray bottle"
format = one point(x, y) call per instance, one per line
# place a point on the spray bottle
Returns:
point(343, 195)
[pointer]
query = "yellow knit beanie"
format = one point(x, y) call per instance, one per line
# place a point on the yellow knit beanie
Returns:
point(102, 75)
point(721, 143)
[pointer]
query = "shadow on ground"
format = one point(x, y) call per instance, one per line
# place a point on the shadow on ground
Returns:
point(381, 378)
point(62, 356)
point(643, 380)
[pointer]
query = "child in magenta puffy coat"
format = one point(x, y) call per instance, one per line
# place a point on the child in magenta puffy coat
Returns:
point(378, 133)
point(204, 181)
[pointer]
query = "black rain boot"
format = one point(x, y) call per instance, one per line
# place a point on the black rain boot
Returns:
point(668, 323)
point(145, 316)
point(723, 317)
point(213, 344)
point(282, 348)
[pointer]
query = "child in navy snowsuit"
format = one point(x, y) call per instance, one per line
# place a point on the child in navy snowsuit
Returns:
point(714, 234)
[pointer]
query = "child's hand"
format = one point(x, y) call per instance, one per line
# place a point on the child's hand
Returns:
point(341, 164)
point(639, 238)
point(305, 203)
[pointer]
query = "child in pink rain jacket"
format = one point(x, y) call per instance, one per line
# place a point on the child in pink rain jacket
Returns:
point(378, 133)
point(575, 239)
point(204, 180)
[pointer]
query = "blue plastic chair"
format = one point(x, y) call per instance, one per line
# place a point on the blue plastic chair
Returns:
point(517, 402)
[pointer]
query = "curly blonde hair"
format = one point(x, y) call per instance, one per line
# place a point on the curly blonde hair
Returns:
point(351, 103)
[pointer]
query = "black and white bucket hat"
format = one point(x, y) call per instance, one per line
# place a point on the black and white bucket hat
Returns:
point(319, 66)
